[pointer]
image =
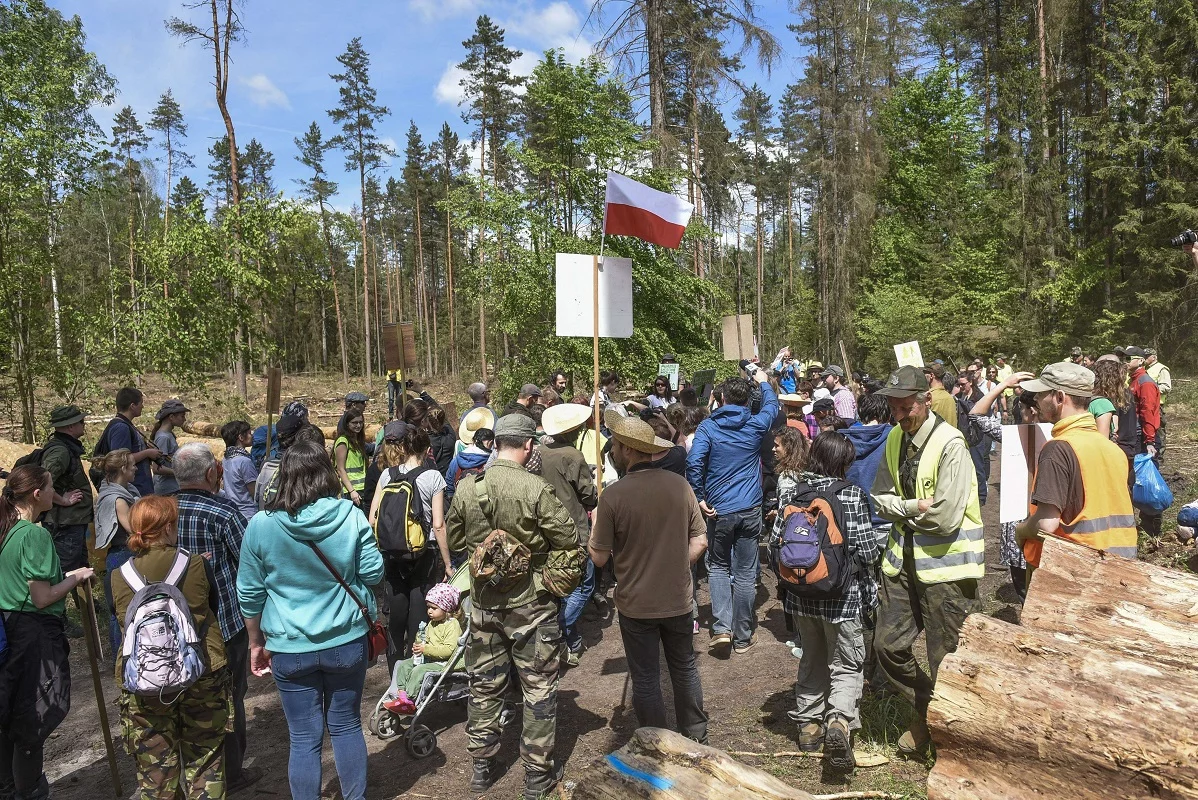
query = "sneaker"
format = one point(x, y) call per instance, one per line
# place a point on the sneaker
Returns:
point(484, 775)
point(916, 743)
point(719, 640)
point(838, 746)
point(811, 737)
point(741, 649)
point(797, 652)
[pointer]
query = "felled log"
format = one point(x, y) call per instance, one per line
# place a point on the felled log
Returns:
point(1094, 696)
point(664, 765)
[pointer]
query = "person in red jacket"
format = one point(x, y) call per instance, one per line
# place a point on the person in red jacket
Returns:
point(1147, 396)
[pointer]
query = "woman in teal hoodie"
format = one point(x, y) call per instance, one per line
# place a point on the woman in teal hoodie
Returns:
point(304, 628)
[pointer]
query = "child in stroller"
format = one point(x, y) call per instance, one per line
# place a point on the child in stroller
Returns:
point(440, 640)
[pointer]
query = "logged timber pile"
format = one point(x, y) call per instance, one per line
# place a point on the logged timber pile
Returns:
point(1095, 695)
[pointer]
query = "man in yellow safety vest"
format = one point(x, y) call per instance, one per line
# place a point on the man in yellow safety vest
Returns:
point(936, 551)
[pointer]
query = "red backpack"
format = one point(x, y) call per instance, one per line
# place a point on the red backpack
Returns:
point(811, 556)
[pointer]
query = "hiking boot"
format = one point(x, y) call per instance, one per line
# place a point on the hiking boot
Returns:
point(838, 746)
point(573, 657)
point(484, 775)
point(741, 649)
point(916, 743)
point(811, 737)
point(719, 640)
point(538, 785)
point(248, 777)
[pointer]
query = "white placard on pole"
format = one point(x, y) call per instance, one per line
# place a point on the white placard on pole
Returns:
point(575, 296)
point(1021, 445)
point(671, 372)
point(908, 354)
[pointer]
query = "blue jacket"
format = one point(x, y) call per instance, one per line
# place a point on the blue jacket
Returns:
point(724, 465)
point(281, 578)
point(870, 443)
point(470, 458)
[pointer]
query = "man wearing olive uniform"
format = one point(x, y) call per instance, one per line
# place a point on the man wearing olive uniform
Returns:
point(936, 551)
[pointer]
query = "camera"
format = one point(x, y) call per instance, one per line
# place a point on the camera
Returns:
point(1185, 237)
point(749, 367)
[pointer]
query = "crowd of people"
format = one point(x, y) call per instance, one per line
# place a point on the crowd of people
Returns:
point(285, 559)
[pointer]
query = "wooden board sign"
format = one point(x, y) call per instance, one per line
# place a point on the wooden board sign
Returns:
point(737, 337)
point(274, 385)
point(399, 353)
point(408, 330)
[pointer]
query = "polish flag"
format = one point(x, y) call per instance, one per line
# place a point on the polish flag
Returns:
point(634, 209)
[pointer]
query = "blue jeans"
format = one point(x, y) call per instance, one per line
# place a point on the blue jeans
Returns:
point(732, 567)
point(319, 689)
point(573, 605)
point(980, 453)
point(114, 561)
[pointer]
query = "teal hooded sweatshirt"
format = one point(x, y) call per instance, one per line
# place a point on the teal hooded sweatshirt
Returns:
point(302, 606)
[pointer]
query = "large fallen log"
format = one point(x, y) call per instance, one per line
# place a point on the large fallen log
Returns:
point(1094, 696)
point(665, 765)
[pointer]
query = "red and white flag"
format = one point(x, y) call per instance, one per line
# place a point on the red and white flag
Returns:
point(634, 209)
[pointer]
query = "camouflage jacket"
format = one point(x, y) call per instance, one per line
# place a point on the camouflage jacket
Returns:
point(525, 507)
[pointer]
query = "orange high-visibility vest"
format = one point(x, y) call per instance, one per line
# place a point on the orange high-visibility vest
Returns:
point(1107, 521)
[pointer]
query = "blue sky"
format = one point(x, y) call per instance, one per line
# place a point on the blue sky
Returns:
point(279, 78)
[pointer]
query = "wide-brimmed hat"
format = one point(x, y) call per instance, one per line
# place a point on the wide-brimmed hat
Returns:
point(563, 417)
point(634, 432)
point(62, 416)
point(172, 406)
point(1064, 376)
point(791, 400)
point(904, 382)
point(477, 418)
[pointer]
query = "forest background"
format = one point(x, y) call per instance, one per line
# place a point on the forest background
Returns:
point(981, 176)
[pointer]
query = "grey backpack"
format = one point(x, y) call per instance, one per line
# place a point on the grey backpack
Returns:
point(163, 650)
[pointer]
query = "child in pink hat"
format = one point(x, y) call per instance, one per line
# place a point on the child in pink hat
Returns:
point(440, 640)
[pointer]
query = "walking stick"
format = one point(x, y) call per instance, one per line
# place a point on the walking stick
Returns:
point(91, 633)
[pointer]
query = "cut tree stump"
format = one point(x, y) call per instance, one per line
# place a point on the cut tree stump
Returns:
point(1094, 696)
point(665, 765)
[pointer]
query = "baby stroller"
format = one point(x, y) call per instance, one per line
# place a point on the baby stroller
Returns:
point(451, 685)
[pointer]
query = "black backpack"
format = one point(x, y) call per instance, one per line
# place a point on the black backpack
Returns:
point(37, 455)
point(969, 428)
point(401, 528)
point(811, 556)
point(103, 448)
point(1129, 435)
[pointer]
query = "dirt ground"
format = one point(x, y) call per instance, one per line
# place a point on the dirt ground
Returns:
point(746, 697)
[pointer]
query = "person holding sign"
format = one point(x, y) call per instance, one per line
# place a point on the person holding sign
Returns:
point(1080, 492)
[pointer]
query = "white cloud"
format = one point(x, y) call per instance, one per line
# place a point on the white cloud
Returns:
point(435, 9)
point(389, 141)
point(449, 89)
point(549, 24)
point(264, 93)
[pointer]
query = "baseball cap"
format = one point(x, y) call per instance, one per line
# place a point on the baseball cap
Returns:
point(832, 370)
point(823, 404)
point(1064, 376)
point(530, 390)
point(356, 397)
point(1134, 352)
point(62, 416)
point(288, 424)
point(395, 430)
point(515, 425)
point(906, 381)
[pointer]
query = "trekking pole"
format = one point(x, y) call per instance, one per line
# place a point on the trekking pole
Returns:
point(91, 633)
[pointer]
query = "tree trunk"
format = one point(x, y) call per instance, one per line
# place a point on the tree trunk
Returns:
point(656, 58)
point(1094, 696)
point(453, 335)
point(365, 287)
point(328, 243)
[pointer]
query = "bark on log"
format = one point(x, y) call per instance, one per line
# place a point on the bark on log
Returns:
point(1099, 699)
point(665, 765)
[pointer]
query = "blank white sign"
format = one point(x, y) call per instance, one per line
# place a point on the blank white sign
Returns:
point(575, 296)
point(1021, 446)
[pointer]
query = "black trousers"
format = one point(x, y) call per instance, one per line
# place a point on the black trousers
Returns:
point(644, 639)
point(21, 770)
point(406, 586)
point(237, 653)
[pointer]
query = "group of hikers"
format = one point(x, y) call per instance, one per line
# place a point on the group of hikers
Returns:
point(490, 533)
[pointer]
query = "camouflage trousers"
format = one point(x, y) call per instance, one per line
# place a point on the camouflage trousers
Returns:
point(528, 641)
point(180, 748)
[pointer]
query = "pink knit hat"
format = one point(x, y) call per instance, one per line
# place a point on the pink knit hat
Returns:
point(444, 597)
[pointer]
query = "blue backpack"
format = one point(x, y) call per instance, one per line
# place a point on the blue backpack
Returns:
point(811, 557)
point(258, 449)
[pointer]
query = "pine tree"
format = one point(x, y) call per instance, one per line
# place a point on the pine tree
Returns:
point(167, 119)
point(756, 115)
point(259, 162)
point(129, 139)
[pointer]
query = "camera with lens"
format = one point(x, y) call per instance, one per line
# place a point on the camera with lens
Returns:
point(1185, 237)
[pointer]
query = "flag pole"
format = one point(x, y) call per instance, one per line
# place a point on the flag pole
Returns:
point(595, 344)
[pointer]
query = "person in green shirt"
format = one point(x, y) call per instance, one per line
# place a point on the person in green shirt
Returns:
point(35, 679)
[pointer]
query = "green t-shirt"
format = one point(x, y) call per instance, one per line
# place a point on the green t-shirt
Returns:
point(1100, 406)
point(28, 554)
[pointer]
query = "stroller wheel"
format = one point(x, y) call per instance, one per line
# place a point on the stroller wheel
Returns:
point(383, 723)
point(421, 742)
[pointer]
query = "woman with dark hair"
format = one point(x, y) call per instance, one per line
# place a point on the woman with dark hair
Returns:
point(469, 461)
point(172, 415)
point(1111, 396)
point(178, 746)
point(303, 626)
point(441, 437)
point(662, 395)
point(831, 671)
point(35, 679)
point(241, 476)
point(349, 454)
point(405, 448)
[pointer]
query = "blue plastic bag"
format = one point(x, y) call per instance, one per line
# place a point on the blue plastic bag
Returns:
point(1150, 492)
point(1188, 515)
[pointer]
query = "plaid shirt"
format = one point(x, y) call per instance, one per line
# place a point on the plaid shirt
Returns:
point(862, 593)
point(212, 524)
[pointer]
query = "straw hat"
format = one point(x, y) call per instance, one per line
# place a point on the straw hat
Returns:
point(634, 432)
point(478, 418)
point(564, 417)
point(791, 400)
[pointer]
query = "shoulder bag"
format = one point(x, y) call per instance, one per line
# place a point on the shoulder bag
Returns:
point(376, 638)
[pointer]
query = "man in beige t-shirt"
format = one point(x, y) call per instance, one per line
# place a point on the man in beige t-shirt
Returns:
point(650, 522)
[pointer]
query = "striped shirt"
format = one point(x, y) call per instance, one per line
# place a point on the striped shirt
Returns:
point(209, 524)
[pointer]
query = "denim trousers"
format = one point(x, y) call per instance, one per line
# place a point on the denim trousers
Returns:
point(113, 562)
point(733, 566)
point(573, 605)
point(318, 690)
point(644, 640)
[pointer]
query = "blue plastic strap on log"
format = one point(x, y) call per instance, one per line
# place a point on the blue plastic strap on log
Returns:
point(661, 784)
